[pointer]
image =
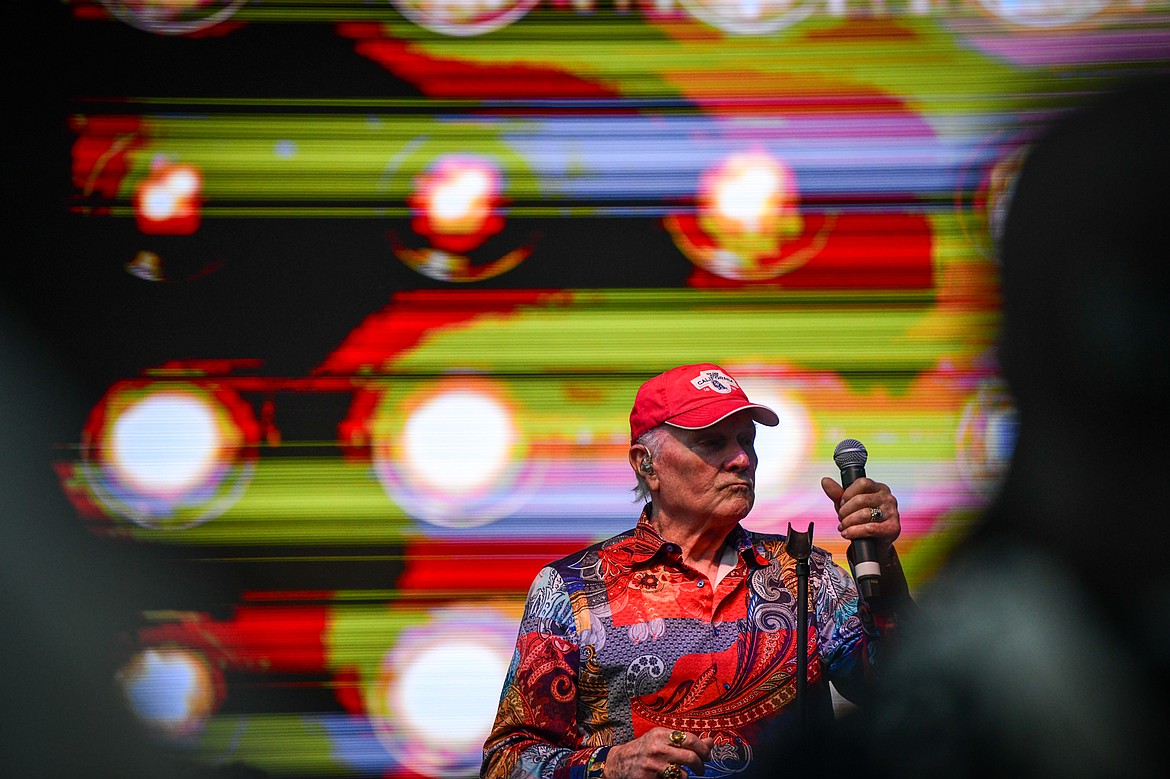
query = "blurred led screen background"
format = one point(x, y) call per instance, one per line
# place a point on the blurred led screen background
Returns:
point(323, 322)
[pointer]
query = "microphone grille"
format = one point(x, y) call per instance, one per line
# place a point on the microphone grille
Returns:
point(850, 452)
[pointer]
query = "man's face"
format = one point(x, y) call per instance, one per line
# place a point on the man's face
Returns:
point(708, 475)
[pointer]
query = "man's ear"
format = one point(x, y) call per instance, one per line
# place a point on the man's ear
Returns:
point(637, 454)
point(641, 461)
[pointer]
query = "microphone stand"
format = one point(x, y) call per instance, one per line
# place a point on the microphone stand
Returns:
point(799, 547)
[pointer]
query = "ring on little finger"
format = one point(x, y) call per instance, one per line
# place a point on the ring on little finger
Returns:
point(672, 771)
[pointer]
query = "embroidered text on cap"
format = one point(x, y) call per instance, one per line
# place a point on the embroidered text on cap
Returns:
point(716, 380)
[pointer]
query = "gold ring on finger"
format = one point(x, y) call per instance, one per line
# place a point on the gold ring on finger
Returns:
point(677, 737)
point(672, 771)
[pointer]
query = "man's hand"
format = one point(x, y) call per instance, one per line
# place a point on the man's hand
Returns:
point(856, 520)
point(648, 755)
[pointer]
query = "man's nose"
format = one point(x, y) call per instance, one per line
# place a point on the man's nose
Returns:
point(739, 460)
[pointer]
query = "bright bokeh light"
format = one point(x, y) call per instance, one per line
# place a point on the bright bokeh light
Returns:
point(168, 442)
point(168, 200)
point(448, 692)
point(457, 195)
point(435, 699)
point(456, 206)
point(459, 441)
point(453, 453)
point(747, 193)
point(747, 220)
point(170, 689)
point(462, 18)
point(169, 195)
point(183, 181)
point(168, 455)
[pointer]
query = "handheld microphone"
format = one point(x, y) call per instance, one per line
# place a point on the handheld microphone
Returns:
point(850, 456)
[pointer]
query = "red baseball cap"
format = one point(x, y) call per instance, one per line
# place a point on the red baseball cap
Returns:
point(692, 397)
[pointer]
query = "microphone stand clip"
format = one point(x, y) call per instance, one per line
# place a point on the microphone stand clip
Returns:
point(799, 547)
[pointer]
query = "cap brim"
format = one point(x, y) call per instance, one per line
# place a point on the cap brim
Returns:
point(713, 413)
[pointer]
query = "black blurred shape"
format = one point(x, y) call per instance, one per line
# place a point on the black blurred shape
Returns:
point(68, 597)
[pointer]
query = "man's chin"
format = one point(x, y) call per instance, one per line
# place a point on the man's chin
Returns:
point(738, 509)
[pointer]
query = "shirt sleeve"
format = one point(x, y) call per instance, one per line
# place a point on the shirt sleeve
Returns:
point(535, 730)
point(853, 633)
point(846, 640)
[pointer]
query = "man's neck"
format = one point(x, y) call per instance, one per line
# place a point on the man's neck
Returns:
point(702, 543)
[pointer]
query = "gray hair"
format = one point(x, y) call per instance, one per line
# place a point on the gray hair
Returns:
point(652, 440)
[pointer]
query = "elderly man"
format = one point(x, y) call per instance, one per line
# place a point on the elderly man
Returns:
point(672, 646)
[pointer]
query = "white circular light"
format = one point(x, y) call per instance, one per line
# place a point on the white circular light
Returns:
point(449, 693)
point(159, 203)
point(168, 455)
point(169, 689)
point(453, 453)
point(433, 704)
point(454, 198)
point(744, 195)
point(167, 442)
point(182, 182)
point(459, 441)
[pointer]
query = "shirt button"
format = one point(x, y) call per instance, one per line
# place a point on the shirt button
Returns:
point(700, 583)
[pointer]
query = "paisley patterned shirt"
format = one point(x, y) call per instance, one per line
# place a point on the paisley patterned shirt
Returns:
point(623, 636)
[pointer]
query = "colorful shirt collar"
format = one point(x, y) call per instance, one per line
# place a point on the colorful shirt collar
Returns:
point(647, 543)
